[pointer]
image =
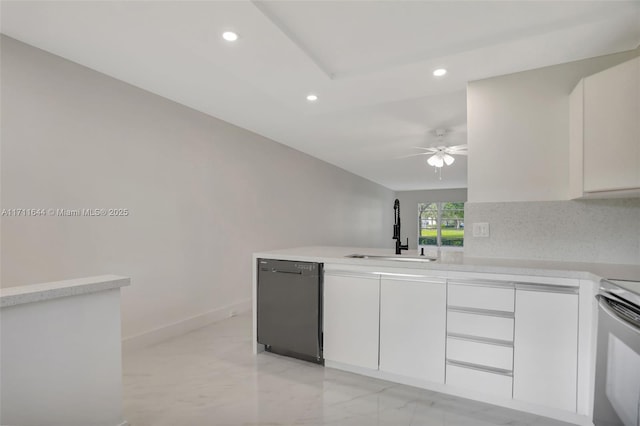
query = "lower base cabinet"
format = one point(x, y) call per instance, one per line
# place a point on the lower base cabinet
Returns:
point(412, 328)
point(545, 367)
point(351, 309)
point(511, 340)
point(480, 336)
point(476, 352)
point(479, 381)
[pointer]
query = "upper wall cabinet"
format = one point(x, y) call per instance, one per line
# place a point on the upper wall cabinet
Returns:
point(605, 133)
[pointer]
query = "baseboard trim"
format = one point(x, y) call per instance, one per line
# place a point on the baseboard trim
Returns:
point(160, 334)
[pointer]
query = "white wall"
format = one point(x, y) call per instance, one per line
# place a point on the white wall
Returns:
point(202, 194)
point(518, 135)
point(409, 208)
point(518, 131)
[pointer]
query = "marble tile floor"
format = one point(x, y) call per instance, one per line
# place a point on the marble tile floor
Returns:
point(209, 377)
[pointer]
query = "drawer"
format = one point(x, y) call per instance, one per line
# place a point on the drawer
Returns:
point(479, 381)
point(486, 354)
point(481, 297)
point(480, 325)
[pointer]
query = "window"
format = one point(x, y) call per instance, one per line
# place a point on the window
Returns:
point(441, 224)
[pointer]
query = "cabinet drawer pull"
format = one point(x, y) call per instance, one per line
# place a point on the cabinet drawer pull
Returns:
point(429, 279)
point(483, 283)
point(341, 273)
point(487, 340)
point(487, 312)
point(548, 288)
point(478, 367)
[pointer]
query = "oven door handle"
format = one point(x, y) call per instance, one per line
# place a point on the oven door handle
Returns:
point(621, 316)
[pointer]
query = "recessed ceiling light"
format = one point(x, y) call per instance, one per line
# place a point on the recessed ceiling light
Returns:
point(312, 98)
point(229, 36)
point(439, 72)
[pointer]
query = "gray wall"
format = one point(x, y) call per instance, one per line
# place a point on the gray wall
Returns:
point(409, 208)
point(202, 194)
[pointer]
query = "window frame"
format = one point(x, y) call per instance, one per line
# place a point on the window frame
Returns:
point(439, 209)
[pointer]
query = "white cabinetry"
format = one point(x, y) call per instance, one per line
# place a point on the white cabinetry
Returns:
point(479, 380)
point(412, 327)
point(605, 133)
point(546, 346)
point(480, 336)
point(576, 141)
point(350, 318)
point(506, 339)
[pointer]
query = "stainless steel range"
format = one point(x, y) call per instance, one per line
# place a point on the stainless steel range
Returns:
point(617, 385)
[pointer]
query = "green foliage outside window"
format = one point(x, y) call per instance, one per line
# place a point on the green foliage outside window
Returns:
point(443, 222)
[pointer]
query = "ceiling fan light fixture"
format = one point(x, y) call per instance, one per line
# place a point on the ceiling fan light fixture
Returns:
point(448, 159)
point(435, 160)
point(441, 155)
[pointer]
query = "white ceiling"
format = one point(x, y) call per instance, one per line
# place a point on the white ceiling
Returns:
point(370, 62)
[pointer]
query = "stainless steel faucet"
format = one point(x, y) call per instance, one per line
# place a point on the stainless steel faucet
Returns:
point(396, 229)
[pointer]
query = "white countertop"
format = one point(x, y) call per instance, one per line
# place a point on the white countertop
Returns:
point(456, 261)
point(18, 295)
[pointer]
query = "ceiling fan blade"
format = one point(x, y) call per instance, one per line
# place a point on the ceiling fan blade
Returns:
point(415, 155)
point(459, 153)
point(427, 149)
point(458, 147)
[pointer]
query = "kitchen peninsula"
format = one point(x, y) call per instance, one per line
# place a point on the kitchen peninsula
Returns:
point(515, 333)
point(61, 358)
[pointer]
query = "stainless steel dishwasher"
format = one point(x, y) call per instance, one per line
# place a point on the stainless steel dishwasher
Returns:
point(290, 308)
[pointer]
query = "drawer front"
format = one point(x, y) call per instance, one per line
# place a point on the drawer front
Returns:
point(481, 297)
point(480, 325)
point(486, 354)
point(479, 381)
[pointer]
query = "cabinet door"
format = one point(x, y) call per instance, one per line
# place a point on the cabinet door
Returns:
point(350, 319)
point(576, 141)
point(611, 128)
point(546, 349)
point(413, 328)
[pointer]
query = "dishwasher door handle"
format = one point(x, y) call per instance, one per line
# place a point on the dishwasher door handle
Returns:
point(278, 271)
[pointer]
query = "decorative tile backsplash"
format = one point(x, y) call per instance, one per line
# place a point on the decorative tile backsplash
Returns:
point(603, 231)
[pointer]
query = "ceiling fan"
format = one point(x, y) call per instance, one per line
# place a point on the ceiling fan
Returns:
point(442, 155)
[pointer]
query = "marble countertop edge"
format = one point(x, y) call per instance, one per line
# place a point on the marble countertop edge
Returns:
point(452, 261)
point(18, 295)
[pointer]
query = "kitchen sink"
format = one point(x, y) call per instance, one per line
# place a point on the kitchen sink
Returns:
point(396, 258)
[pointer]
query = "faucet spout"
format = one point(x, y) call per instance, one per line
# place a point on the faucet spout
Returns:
point(400, 246)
